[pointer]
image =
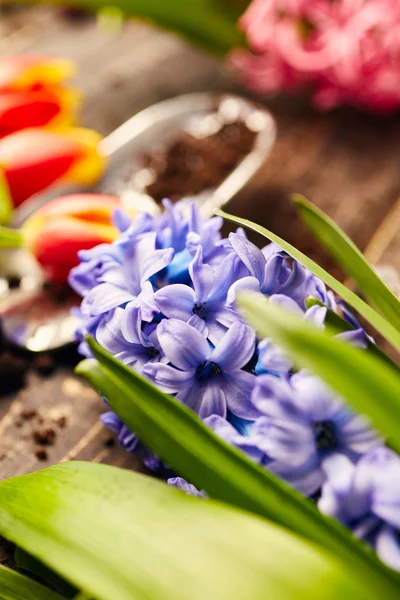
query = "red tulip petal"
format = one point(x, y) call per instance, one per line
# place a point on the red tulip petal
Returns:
point(57, 246)
point(34, 159)
point(96, 208)
point(26, 71)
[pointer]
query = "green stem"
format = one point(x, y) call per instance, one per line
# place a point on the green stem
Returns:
point(11, 238)
point(207, 23)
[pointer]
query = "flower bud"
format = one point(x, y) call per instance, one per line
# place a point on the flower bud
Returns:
point(36, 108)
point(56, 232)
point(34, 159)
point(26, 72)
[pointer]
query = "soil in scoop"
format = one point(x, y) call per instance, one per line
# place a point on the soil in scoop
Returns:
point(192, 165)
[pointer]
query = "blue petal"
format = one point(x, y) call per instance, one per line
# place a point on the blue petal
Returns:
point(244, 284)
point(105, 297)
point(249, 254)
point(175, 301)
point(168, 379)
point(184, 486)
point(202, 276)
point(235, 349)
point(238, 388)
point(183, 345)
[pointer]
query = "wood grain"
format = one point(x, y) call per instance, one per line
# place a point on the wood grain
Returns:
point(345, 162)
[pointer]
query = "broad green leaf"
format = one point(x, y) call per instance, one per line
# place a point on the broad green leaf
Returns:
point(118, 535)
point(6, 205)
point(338, 325)
point(370, 385)
point(14, 586)
point(181, 439)
point(385, 328)
point(208, 23)
point(341, 247)
point(10, 238)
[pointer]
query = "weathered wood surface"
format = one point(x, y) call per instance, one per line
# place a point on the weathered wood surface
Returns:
point(345, 162)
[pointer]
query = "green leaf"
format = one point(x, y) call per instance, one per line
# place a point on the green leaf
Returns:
point(341, 247)
point(385, 328)
point(209, 23)
point(181, 439)
point(14, 586)
point(6, 205)
point(118, 535)
point(10, 238)
point(369, 384)
point(338, 325)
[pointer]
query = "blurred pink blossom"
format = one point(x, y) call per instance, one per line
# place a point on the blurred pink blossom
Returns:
point(345, 51)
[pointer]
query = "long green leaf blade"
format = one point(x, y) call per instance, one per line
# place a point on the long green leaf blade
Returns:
point(369, 384)
point(119, 535)
point(14, 586)
point(10, 238)
point(385, 328)
point(6, 205)
point(342, 248)
point(208, 23)
point(174, 432)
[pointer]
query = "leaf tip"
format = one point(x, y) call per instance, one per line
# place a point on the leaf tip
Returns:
point(84, 367)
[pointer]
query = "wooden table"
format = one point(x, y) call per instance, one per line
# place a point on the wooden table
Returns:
point(345, 162)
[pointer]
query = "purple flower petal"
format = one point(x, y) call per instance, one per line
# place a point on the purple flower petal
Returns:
point(249, 254)
point(148, 307)
point(183, 345)
point(167, 378)
point(225, 274)
point(175, 301)
point(202, 276)
point(238, 387)
point(358, 337)
point(286, 303)
point(150, 260)
point(271, 274)
point(212, 401)
point(131, 323)
point(184, 486)
point(108, 332)
point(105, 297)
point(215, 331)
point(388, 546)
point(200, 325)
point(235, 349)
point(245, 284)
point(121, 220)
point(316, 315)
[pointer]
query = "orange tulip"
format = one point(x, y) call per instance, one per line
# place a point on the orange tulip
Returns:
point(26, 72)
point(56, 232)
point(34, 159)
point(36, 108)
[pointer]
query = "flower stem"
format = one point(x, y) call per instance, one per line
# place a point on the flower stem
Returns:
point(11, 238)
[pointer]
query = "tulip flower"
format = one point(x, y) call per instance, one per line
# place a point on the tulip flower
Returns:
point(56, 232)
point(34, 159)
point(36, 108)
point(26, 72)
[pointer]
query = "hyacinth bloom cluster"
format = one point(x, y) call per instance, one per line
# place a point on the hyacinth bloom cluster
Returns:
point(39, 145)
point(346, 52)
point(162, 299)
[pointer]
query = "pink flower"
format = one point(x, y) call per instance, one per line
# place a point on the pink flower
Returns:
point(346, 52)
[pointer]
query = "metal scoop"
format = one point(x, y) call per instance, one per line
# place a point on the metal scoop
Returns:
point(32, 316)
